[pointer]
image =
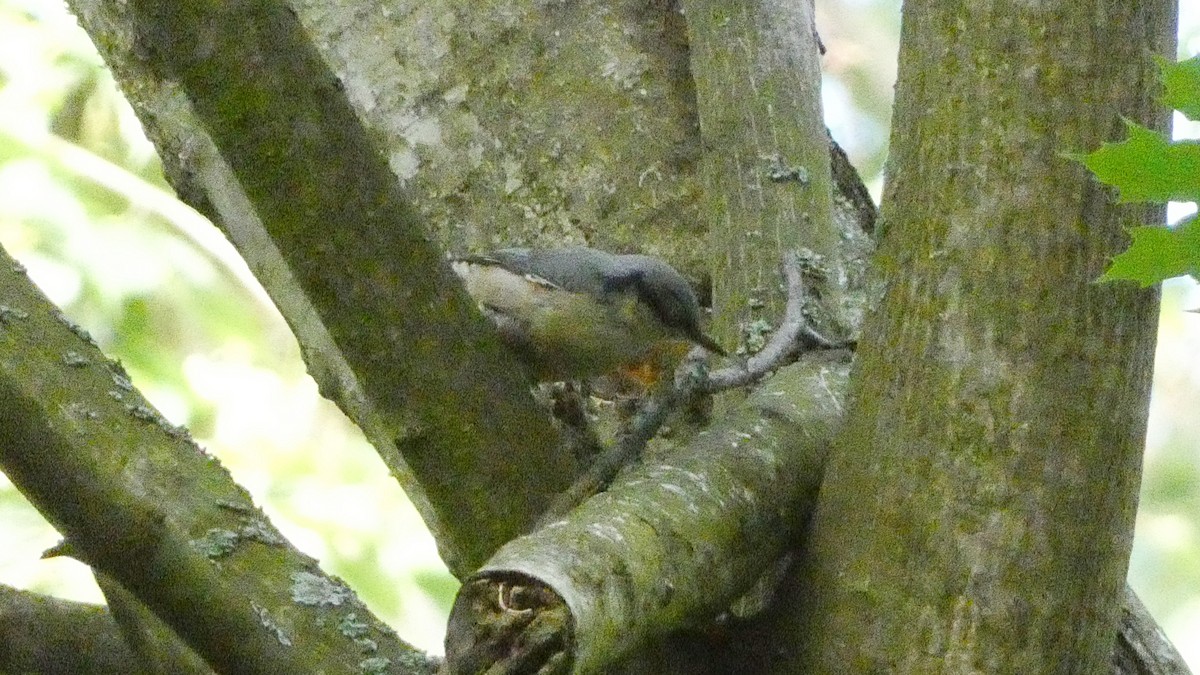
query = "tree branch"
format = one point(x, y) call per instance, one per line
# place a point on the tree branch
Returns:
point(978, 507)
point(692, 380)
point(42, 634)
point(443, 390)
point(122, 535)
point(675, 540)
point(1142, 648)
point(785, 340)
point(766, 163)
point(138, 500)
point(156, 648)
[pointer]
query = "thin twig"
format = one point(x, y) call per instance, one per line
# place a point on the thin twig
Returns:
point(649, 419)
point(785, 343)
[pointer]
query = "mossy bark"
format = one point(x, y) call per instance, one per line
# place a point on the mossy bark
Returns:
point(508, 123)
point(977, 512)
point(766, 169)
point(138, 500)
point(976, 423)
point(42, 634)
point(386, 327)
point(518, 122)
point(675, 540)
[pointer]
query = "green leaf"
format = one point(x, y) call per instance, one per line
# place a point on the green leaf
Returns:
point(1182, 82)
point(1146, 167)
point(1159, 253)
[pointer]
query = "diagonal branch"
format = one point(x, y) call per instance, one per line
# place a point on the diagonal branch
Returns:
point(1142, 648)
point(43, 634)
point(444, 403)
point(671, 543)
point(125, 536)
point(138, 499)
point(650, 558)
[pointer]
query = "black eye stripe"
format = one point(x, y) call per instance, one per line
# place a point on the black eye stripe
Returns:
point(669, 299)
point(669, 306)
point(617, 283)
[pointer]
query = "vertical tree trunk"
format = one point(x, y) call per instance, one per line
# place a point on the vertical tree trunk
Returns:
point(765, 166)
point(978, 510)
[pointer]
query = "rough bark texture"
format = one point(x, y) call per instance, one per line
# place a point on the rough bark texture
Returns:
point(535, 122)
point(978, 511)
point(529, 122)
point(675, 540)
point(137, 499)
point(510, 122)
point(126, 537)
point(450, 397)
point(41, 634)
point(766, 170)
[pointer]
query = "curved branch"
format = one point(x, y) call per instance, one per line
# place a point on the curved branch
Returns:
point(785, 341)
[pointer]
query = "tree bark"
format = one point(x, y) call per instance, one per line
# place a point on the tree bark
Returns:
point(765, 163)
point(676, 539)
point(1142, 648)
point(41, 634)
point(154, 646)
point(977, 512)
point(510, 123)
point(443, 391)
point(1000, 398)
point(138, 500)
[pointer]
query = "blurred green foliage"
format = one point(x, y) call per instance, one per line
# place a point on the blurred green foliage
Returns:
point(84, 206)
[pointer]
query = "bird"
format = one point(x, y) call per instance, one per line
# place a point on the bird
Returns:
point(577, 312)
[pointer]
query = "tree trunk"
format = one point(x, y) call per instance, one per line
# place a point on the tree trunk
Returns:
point(977, 511)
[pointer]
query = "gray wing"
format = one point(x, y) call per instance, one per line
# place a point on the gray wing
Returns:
point(579, 270)
point(512, 259)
